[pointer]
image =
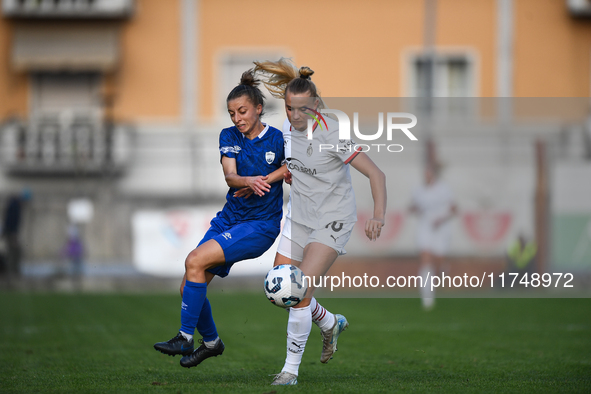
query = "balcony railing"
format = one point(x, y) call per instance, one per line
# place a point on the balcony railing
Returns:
point(101, 9)
point(55, 146)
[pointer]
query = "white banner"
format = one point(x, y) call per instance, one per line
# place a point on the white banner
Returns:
point(162, 239)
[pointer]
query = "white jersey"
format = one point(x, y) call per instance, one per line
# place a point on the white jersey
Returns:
point(321, 190)
point(433, 201)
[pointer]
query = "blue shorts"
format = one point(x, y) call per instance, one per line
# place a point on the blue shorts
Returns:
point(241, 241)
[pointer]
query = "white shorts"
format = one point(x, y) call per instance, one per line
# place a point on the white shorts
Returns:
point(434, 240)
point(295, 237)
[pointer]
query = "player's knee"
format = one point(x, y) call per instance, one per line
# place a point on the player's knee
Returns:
point(194, 261)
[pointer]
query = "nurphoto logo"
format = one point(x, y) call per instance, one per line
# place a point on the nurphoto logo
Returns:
point(392, 124)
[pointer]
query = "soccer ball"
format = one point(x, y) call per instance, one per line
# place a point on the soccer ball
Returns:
point(285, 285)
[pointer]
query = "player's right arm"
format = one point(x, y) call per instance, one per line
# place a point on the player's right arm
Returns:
point(273, 177)
point(258, 184)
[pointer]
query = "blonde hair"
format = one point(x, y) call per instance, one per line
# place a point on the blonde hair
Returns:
point(282, 76)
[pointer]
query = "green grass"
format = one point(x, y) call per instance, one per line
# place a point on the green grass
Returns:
point(103, 343)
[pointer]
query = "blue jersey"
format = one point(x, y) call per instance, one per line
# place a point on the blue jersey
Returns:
point(259, 156)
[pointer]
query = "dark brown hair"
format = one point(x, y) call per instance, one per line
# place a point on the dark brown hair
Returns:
point(248, 87)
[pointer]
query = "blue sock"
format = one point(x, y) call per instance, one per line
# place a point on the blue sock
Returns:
point(194, 295)
point(205, 325)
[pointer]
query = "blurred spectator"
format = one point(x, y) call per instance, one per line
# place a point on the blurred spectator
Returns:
point(11, 225)
point(433, 202)
point(74, 250)
point(521, 254)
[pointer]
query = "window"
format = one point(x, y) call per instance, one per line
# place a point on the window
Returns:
point(453, 76)
point(447, 74)
point(58, 93)
point(66, 118)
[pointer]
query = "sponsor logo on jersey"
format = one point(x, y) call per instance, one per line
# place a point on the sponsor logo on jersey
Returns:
point(291, 165)
point(269, 156)
point(227, 236)
point(230, 149)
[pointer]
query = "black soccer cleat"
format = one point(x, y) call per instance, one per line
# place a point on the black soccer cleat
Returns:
point(201, 353)
point(177, 345)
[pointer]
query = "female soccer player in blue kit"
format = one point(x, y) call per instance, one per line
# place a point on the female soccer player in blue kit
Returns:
point(252, 156)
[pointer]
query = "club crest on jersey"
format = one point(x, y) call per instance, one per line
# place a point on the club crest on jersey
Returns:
point(270, 156)
point(309, 151)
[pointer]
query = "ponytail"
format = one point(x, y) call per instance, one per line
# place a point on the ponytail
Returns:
point(282, 76)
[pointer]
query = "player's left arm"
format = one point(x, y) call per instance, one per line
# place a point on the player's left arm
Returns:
point(273, 177)
point(377, 182)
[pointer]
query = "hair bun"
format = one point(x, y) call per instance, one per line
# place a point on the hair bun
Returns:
point(248, 78)
point(306, 72)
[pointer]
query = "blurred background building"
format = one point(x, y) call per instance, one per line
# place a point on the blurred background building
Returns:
point(110, 112)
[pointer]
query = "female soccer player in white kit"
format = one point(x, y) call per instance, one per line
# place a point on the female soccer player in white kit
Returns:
point(323, 210)
point(434, 204)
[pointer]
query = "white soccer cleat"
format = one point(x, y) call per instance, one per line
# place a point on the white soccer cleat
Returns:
point(285, 379)
point(329, 338)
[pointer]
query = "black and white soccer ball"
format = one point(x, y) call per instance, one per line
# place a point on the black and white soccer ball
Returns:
point(285, 285)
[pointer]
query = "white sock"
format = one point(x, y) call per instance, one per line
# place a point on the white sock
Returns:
point(427, 295)
point(188, 337)
point(299, 326)
point(211, 344)
point(321, 316)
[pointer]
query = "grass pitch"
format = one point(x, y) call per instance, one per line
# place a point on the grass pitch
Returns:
point(103, 343)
